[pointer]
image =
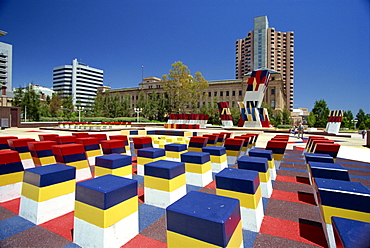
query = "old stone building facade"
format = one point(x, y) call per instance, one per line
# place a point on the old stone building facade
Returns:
point(231, 91)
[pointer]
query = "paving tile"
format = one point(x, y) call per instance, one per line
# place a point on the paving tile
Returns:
point(6, 214)
point(264, 240)
point(12, 226)
point(148, 215)
point(293, 187)
point(35, 236)
point(292, 211)
point(157, 230)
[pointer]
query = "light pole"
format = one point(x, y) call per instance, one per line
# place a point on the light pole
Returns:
point(354, 121)
point(138, 111)
point(79, 109)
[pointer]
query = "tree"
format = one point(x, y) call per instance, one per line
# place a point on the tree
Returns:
point(361, 117)
point(311, 119)
point(182, 88)
point(321, 112)
point(286, 117)
point(347, 119)
point(54, 106)
point(29, 101)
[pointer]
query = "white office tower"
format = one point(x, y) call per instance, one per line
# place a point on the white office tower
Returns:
point(6, 58)
point(79, 81)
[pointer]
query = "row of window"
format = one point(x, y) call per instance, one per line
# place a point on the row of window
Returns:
point(227, 93)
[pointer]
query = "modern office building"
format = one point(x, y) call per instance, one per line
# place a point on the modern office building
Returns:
point(79, 81)
point(264, 47)
point(6, 60)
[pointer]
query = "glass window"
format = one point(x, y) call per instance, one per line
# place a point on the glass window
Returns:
point(209, 94)
point(272, 104)
point(272, 91)
point(227, 93)
point(221, 93)
point(215, 93)
point(240, 93)
point(233, 92)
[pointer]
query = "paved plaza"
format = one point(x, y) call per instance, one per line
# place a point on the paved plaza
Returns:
point(291, 216)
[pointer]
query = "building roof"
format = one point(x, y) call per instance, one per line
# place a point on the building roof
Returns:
point(260, 69)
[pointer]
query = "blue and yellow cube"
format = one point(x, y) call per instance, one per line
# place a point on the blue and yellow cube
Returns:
point(104, 205)
point(113, 164)
point(204, 220)
point(47, 192)
point(148, 155)
point(217, 156)
point(243, 185)
point(261, 165)
point(198, 168)
point(174, 151)
point(164, 182)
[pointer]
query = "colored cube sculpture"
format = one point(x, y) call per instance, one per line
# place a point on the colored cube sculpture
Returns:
point(113, 164)
point(204, 220)
point(261, 165)
point(106, 212)
point(218, 157)
point(148, 155)
point(11, 175)
point(243, 185)
point(47, 192)
point(198, 168)
point(164, 182)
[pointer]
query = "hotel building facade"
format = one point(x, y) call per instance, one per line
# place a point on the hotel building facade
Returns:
point(265, 47)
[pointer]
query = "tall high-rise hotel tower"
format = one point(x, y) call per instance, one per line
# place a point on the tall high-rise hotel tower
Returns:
point(265, 47)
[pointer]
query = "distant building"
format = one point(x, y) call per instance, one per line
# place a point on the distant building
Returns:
point(299, 115)
point(79, 81)
point(265, 47)
point(231, 91)
point(44, 91)
point(6, 65)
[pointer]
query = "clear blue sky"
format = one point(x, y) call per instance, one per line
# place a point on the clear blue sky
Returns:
point(332, 44)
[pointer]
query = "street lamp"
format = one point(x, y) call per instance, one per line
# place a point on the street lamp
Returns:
point(79, 109)
point(354, 121)
point(138, 111)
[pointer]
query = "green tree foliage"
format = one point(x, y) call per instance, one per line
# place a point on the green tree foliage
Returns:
point(211, 109)
point(361, 119)
point(347, 119)
point(182, 89)
point(67, 107)
point(110, 105)
point(29, 101)
point(311, 119)
point(286, 117)
point(321, 112)
point(235, 113)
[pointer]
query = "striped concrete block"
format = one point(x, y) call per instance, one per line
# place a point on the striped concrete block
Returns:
point(198, 168)
point(217, 156)
point(174, 151)
point(204, 220)
point(41, 152)
point(113, 164)
point(20, 145)
point(148, 155)
point(265, 154)
point(73, 155)
point(243, 185)
point(259, 164)
point(106, 212)
point(164, 182)
point(47, 192)
point(11, 175)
